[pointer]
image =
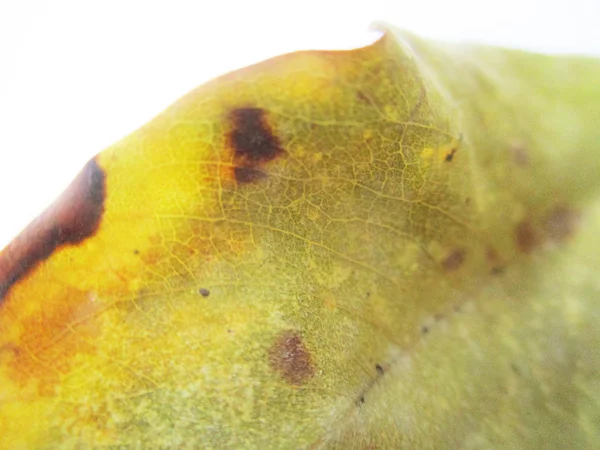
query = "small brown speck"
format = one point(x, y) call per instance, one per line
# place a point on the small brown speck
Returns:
point(362, 97)
point(491, 254)
point(495, 260)
point(204, 292)
point(519, 153)
point(525, 237)
point(289, 356)
point(561, 223)
point(379, 369)
point(454, 260)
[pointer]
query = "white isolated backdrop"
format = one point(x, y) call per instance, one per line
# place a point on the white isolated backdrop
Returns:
point(77, 75)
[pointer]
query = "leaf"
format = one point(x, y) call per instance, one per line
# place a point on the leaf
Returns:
point(394, 246)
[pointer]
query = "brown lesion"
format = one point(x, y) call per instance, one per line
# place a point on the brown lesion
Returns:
point(526, 237)
point(362, 97)
point(454, 260)
point(73, 218)
point(450, 155)
point(289, 357)
point(519, 153)
point(556, 226)
point(252, 142)
point(561, 223)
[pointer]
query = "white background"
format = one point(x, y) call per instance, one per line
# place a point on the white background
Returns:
point(76, 76)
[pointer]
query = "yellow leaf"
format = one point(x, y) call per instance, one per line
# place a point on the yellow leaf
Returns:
point(393, 246)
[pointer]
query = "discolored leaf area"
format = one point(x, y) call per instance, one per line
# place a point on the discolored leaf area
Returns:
point(389, 247)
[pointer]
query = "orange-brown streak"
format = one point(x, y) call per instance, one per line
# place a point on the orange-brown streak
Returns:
point(74, 217)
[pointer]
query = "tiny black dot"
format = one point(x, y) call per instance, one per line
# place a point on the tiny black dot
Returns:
point(204, 292)
point(379, 369)
point(136, 252)
point(424, 329)
point(361, 400)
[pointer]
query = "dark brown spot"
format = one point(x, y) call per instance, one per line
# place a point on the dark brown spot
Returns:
point(424, 329)
point(204, 292)
point(561, 223)
point(379, 369)
point(253, 144)
point(70, 220)
point(454, 260)
point(450, 154)
point(289, 356)
point(525, 237)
